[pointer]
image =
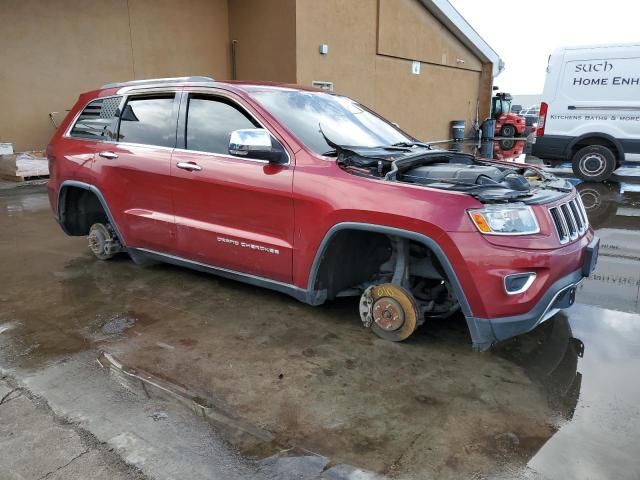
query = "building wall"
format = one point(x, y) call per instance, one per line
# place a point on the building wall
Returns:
point(372, 44)
point(265, 32)
point(50, 51)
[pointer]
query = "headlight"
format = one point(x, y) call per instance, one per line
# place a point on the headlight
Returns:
point(511, 219)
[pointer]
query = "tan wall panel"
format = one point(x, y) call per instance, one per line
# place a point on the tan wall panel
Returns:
point(349, 29)
point(52, 51)
point(423, 105)
point(408, 30)
point(266, 35)
point(172, 38)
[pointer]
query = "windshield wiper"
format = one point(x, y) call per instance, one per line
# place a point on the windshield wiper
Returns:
point(411, 144)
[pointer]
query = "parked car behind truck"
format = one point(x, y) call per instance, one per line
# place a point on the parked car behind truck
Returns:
point(590, 114)
point(313, 195)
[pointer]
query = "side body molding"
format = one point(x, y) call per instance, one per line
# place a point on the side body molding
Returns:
point(93, 189)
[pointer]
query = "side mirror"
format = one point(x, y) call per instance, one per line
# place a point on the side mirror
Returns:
point(256, 143)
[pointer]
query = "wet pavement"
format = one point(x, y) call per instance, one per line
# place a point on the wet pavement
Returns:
point(268, 380)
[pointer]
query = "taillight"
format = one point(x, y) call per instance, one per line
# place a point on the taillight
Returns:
point(542, 118)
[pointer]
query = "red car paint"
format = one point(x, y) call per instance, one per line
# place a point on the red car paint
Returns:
point(235, 214)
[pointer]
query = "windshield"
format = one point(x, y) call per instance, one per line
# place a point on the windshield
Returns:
point(344, 121)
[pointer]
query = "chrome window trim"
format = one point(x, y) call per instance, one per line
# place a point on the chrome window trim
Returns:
point(211, 154)
point(151, 89)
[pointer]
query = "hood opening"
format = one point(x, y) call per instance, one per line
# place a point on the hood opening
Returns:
point(420, 164)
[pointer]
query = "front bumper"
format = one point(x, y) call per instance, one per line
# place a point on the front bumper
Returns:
point(561, 294)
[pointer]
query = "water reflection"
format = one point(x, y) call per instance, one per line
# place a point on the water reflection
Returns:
point(614, 212)
point(549, 355)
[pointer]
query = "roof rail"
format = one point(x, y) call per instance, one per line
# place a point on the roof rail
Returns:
point(134, 83)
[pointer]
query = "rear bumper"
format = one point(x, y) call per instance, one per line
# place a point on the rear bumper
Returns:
point(552, 147)
point(561, 294)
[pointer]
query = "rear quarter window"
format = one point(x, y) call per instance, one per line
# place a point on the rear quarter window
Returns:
point(96, 120)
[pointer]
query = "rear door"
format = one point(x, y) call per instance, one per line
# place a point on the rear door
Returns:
point(235, 213)
point(134, 171)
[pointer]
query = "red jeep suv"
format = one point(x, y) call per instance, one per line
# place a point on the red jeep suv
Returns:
point(313, 195)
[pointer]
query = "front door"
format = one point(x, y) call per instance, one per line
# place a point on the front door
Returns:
point(230, 212)
point(134, 172)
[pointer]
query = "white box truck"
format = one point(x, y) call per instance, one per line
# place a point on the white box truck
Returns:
point(590, 111)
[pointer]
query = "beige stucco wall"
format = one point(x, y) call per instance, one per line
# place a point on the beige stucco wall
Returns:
point(51, 50)
point(371, 46)
point(265, 31)
point(406, 29)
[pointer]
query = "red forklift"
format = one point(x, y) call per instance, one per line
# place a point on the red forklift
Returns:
point(507, 124)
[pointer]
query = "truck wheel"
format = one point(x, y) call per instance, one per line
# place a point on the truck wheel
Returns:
point(508, 131)
point(103, 242)
point(390, 311)
point(593, 163)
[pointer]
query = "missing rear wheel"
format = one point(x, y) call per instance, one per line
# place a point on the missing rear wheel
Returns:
point(103, 242)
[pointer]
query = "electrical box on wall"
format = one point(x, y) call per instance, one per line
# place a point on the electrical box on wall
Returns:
point(323, 85)
point(415, 68)
point(324, 49)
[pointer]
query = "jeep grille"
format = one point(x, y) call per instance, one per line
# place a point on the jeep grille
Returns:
point(570, 220)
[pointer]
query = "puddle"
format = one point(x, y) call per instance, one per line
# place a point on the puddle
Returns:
point(273, 373)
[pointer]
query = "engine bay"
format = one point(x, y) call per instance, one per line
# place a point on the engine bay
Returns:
point(487, 180)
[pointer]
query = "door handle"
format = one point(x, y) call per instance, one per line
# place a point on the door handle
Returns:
point(109, 155)
point(191, 166)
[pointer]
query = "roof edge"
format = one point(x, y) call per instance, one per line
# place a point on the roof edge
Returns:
point(454, 21)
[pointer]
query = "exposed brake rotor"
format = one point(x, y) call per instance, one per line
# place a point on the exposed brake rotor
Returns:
point(389, 310)
point(103, 242)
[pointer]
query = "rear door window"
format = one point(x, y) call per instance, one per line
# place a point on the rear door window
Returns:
point(148, 120)
point(96, 120)
point(210, 121)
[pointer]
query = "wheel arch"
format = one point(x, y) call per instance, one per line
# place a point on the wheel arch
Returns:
point(595, 138)
point(64, 190)
point(316, 297)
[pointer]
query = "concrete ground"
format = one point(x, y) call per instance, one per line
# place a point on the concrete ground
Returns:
point(200, 377)
point(28, 427)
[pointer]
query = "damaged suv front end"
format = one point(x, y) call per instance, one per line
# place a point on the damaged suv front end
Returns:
point(528, 244)
point(506, 244)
